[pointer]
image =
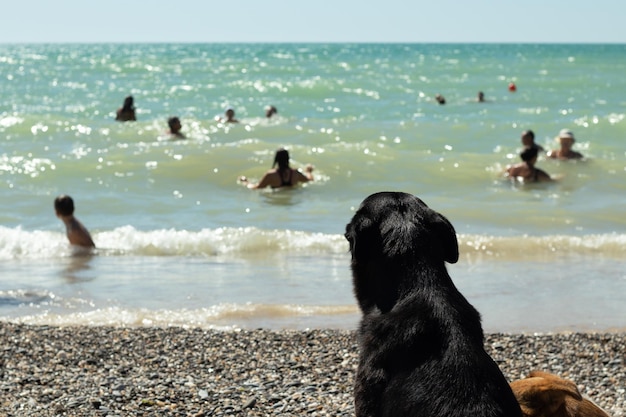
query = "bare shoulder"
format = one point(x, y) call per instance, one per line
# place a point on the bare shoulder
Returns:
point(78, 234)
point(270, 179)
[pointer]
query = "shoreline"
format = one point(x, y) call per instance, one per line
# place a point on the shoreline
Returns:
point(85, 371)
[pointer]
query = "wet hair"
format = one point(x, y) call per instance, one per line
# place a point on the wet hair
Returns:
point(64, 205)
point(281, 159)
point(172, 120)
point(270, 111)
point(128, 104)
point(528, 154)
point(529, 133)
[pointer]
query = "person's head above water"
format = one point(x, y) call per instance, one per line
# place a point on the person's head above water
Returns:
point(528, 137)
point(129, 103)
point(64, 205)
point(174, 124)
point(281, 159)
point(270, 111)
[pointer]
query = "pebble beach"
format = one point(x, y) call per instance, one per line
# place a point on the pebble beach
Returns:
point(152, 371)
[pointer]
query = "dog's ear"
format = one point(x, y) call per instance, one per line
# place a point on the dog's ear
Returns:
point(447, 236)
point(372, 285)
point(359, 226)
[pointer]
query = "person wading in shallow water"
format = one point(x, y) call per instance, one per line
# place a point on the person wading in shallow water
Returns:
point(281, 174)
point(77, 234)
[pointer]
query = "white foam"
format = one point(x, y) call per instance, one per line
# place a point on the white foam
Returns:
point(222, 316)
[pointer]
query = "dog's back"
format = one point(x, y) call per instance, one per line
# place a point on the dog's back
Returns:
point(421, 341)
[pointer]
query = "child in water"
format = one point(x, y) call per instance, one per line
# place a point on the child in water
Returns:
point(77, 234)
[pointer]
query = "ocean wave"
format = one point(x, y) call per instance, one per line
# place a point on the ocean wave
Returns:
point(21, 296)
point(127, 241)
point(251, 242)
point(611, 246)
point(226, 316)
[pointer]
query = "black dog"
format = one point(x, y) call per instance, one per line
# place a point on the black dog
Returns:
point(421, 341)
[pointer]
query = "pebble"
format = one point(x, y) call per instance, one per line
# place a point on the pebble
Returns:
point(106, 371)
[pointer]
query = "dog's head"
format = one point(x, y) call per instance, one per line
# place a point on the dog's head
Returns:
point(391, 236)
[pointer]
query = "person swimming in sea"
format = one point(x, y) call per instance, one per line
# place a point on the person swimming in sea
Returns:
point(175, 128)
point(528, 140)
point(281, 174)
point(270, 111)
point(229, 116)
point(127, 111)
point(566, 140)
point(526, 171)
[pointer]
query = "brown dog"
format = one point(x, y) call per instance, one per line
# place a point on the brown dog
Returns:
point(546, 395)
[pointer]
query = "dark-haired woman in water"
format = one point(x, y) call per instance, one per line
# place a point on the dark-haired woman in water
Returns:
point(281, 174)
point(526, 171)
point(127, 111)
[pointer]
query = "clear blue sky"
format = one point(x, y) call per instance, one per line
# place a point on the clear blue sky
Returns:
point(571, 21)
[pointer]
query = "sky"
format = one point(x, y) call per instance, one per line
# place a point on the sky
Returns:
point(414, 21)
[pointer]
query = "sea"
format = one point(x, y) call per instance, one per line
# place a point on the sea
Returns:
point(180, 242)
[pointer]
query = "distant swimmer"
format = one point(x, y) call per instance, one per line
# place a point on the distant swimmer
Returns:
point(230, 116)
point(175, 127)
point(440, 99)
point(528, 140)
point(281, 174)
point(480, 97)
point(77, 234)
point(526, 171)
point(270, 111)
point(566, 140)
point(127, 111)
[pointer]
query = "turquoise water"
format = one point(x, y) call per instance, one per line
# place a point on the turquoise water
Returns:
point(180, 242)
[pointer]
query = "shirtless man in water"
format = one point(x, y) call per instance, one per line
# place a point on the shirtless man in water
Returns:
point(175, 127)
point(526, 170)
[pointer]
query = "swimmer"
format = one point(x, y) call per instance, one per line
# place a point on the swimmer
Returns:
point(270, 111)
point(528, 140)
point(77, 234)
point(526, 171)
point(230, 116)
point(175, 127)
point(440, 99)
point(281, 176)
point(127, 111)
point(566, 140)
